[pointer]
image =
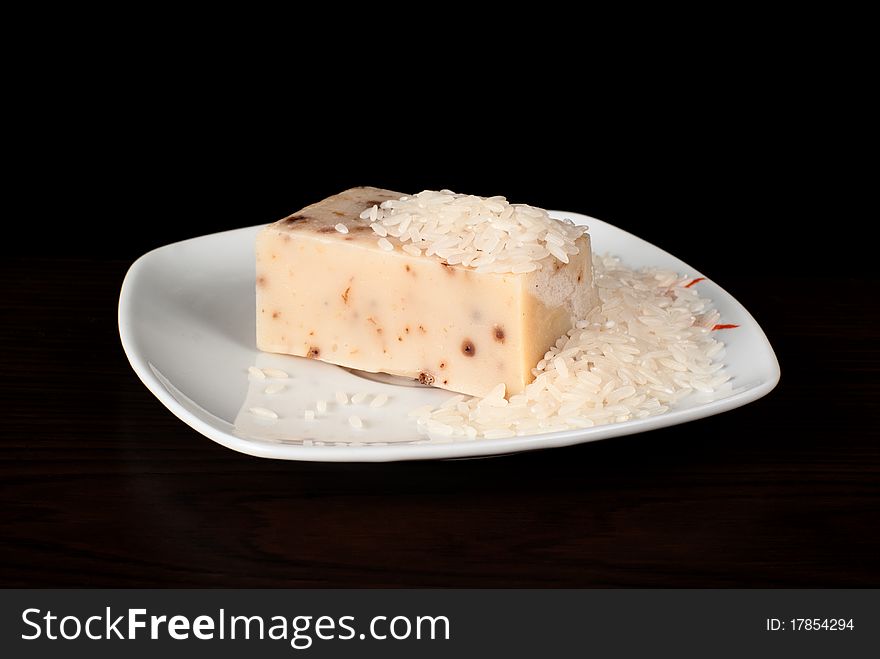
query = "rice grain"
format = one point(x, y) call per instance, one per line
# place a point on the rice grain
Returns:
point(263, 413)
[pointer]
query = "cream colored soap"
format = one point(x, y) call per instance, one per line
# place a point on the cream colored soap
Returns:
point(340, 298)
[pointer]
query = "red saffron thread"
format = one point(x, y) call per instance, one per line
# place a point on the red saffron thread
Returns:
point(727, 326)
point(695, 281)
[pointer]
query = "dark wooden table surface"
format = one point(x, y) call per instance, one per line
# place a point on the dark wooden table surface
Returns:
point(102, 486)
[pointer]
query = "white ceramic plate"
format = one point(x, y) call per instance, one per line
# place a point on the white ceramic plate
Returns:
point(186, 319)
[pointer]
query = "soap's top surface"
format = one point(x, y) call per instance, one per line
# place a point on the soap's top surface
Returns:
point(461, 231)
point(487, 234)
point(342, 209)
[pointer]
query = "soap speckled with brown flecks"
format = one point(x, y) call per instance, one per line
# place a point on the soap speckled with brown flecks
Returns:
point(414, 316)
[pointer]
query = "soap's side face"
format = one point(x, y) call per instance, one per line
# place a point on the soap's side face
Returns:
point(356, 306)
point(338, 297)
point(558, 295)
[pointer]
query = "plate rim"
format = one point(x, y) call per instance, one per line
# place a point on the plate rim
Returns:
point(409, 451)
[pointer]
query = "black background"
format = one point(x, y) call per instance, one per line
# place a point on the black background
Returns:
point(706, 173)
point(730, 165)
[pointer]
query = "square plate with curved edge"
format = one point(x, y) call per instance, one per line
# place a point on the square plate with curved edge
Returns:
point(187, 324)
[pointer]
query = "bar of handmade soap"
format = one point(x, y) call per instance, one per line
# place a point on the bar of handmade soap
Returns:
point(337, 296)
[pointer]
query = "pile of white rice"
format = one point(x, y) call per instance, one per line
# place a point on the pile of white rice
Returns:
point(647, 345)
point(487, 234)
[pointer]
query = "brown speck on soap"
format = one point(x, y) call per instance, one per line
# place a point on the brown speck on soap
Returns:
point(400, 338)
point(579, 276)
point(426, 378)
point(406, 329)
point(422, 329)
point(313, 352)
point(468, 348)
point(445, 381)
point(408, 269)
point(261, 281)
point(275, 314)
point(312, 333)
point(442, 364)
point(345, 295)
point(449, 269)
point(499, 334)
point(327, 230)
